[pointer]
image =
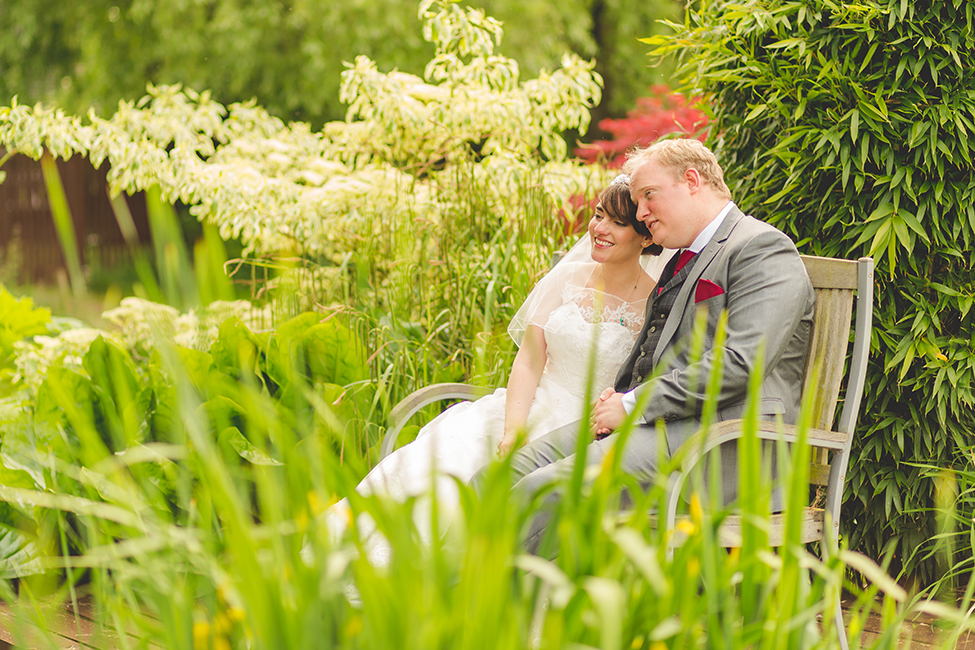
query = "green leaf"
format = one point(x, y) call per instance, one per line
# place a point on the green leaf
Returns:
point(755, 112)
point(197, 365)
point(882, 239)
point(881, 212)
point(902, 231)
point(111, 369)
point(234, 438)
point(912, 222)
point(918, 130)
point(235, 348)
point(64, 390)
point(940, 288)
point(19, 320)
point(335, 354)
point(877, 112)
point(787, 43)
point(19, 555)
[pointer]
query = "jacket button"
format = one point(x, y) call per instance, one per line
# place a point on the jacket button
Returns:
point(653, 329)
point(640, 379)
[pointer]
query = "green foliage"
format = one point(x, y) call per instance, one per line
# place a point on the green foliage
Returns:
point(214, 539)
point(289, 56)
point(116, 404)
point(19, 319)
point(847, 126)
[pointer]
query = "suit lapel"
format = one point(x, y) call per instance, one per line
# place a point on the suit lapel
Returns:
point(676, 325)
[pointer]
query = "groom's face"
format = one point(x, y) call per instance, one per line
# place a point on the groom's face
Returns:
point(664, 203)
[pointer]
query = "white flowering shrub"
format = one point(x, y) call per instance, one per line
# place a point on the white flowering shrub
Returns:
point(422, 218)
point(33, 358)
point(282, 187)
point(141, 326)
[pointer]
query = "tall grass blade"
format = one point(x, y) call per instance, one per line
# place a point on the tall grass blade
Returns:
point(177, 279)
point(63, 223)
point(141, 261)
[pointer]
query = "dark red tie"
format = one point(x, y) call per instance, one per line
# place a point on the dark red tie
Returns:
point(685, 257)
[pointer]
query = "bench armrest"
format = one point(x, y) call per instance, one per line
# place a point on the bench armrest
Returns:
point(416, 400)
point(698, 445)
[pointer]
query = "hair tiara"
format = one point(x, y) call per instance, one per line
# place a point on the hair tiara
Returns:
point(622, 179)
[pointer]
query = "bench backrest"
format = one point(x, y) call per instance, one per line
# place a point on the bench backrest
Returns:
point(838, 284)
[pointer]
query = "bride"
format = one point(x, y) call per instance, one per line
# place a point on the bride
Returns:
point(595, 296)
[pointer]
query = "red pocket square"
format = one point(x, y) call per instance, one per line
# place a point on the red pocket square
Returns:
point(706, 289)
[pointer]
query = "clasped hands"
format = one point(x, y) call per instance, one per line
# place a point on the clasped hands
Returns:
point(607, 413)
point(606, 416)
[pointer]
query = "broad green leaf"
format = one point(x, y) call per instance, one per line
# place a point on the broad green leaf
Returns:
point(236, 348)
point(16, 478)
point(233, 437)
point(197, 365)
point(111, 368)
point(19, 555)
point(19, 319)
point(335, 354)
point(286, 352)
point(64, 390)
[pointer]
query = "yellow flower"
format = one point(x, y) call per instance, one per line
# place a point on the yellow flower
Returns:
point(353, 627)
point(201, 635)
point(697, 513)
point(315, 503)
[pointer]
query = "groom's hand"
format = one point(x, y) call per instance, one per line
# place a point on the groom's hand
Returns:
point(607, 413)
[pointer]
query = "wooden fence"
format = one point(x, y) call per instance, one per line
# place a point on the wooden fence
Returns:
point(29, 246)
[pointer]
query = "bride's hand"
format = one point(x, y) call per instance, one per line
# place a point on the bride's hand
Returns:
point(509, 443)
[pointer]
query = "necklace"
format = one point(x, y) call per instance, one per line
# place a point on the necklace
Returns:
point(625, 301)
point(632, 293)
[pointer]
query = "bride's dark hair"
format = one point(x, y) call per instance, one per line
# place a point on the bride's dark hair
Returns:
point(617, 203)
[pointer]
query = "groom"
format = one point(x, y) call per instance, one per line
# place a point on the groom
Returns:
point(729, 262)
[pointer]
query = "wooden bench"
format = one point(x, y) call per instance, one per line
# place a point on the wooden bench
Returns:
point(838, 284)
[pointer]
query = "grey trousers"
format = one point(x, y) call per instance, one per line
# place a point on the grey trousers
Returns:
point(552, 457)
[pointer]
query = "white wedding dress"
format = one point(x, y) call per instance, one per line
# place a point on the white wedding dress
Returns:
point(465, 437)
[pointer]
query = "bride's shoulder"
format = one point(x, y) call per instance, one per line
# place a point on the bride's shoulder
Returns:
point(577, 273)
point(567, 275)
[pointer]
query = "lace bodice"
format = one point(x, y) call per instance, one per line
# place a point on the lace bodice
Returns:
point(581, 322)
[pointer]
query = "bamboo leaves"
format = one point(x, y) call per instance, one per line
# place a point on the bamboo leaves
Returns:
point(860, 117)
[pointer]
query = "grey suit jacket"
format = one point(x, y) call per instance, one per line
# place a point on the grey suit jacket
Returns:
point(769, 303)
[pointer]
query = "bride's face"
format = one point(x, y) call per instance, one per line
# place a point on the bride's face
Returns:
point(612, 238)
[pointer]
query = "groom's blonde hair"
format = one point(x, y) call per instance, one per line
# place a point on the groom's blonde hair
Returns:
point(678, 155)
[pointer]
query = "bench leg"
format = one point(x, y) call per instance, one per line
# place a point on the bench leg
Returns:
point(841, 626)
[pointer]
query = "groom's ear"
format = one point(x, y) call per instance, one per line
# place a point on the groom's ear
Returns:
point(693, 179)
